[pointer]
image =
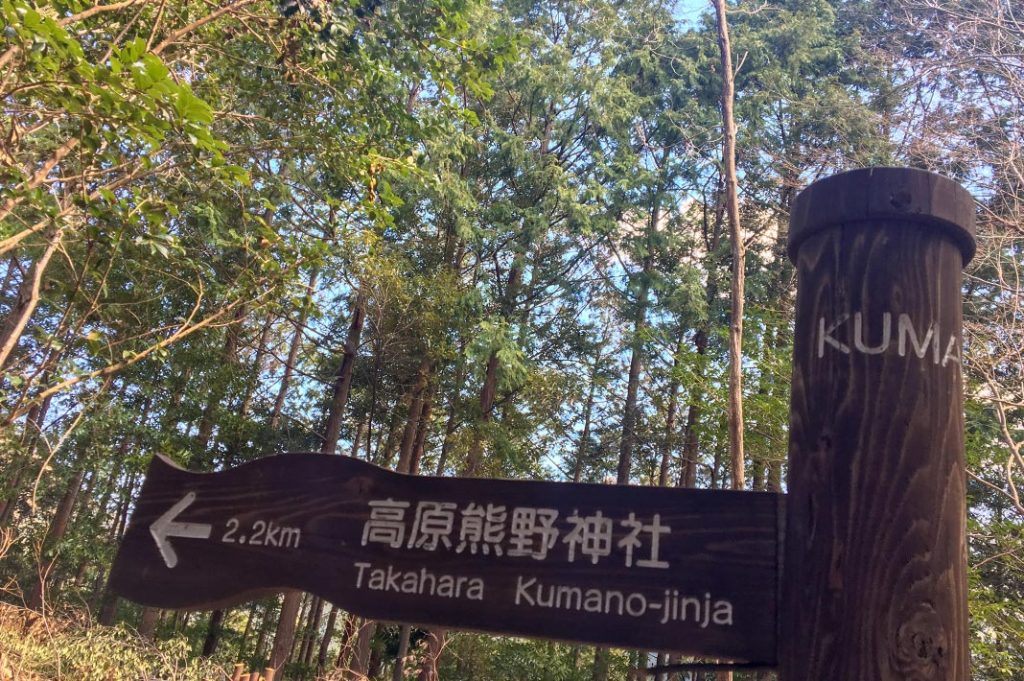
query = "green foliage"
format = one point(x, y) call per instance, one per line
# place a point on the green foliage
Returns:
point(71, 647)
point(515, 659)
point(516, 198)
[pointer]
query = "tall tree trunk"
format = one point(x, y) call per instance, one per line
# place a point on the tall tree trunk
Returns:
point(250, 618)
point(261, 639)
point(599, 670)
point(148, 620)
point(691, 445)
point(30, 437)
point(312, 635)
point(108, 608)
point(474, 459)
point(207, 423)
point(451, 421)
point(420, 444)
point(385, 450)
point(419, 393)
point(304, 611)
point(56, 531)
point(293, 352)
point(398, 673)
point(108, 599)
point(431, 661)
point(26, 301)
point(668, 442)
point(348, 632)
point(285, 634)
point(588, 411)
point(489, 390)
point(413, 443)
point(360, 665)
point(630, 413)
point(343, 378)
point(234, 448)
point(325, 642)
point(737, 285)
point(213, 632)
point(357, 439)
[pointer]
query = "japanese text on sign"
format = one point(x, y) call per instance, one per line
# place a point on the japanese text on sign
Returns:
point(523, 532)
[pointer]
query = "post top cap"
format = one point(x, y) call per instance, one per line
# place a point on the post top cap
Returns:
point(869, 194)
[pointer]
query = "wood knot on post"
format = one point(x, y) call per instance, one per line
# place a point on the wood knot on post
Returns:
point(900, 200)
point(921, 647)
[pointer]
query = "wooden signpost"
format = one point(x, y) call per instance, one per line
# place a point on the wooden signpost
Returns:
point(872, 584)
point(692, 571)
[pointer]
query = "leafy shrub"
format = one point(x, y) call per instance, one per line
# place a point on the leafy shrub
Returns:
point(72, 647)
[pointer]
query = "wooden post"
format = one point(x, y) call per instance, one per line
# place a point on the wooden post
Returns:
point(874, 585)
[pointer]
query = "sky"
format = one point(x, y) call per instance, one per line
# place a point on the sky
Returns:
point(689, 10)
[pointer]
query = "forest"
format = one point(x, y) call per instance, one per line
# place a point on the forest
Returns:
point(523, 239)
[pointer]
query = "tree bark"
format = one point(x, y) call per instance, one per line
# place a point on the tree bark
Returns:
point(435, 646)
point(360, 665)
point(307, 603)
point(737, 284)
point(599, 670)
point(403, 649)
point(29, 440)
point(488, 392)
point(250, 618)
point(588, 411)
point(148, 620)
point(419, 392)
point(420, 444)
point(325, 642)
point(261, 639)
point(451, 421)
point(58, 526)
point(348, 632)
point(343, 378)
point(669, 439)
point(285, 633)
point(213, 632)
point(293, 352)
point(474, 459)
point(26, 301)
point(630, 413)
point(312, 635)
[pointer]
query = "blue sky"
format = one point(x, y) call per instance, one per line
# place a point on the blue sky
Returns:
point(690, 10)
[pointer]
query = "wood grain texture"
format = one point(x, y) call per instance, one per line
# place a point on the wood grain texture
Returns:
point(874, 585)
point(722, 545)
point(876, 196)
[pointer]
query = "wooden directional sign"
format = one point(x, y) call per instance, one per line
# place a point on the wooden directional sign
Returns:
point(693, 571)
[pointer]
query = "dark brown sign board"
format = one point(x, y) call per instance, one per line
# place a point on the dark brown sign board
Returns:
point(684, 570)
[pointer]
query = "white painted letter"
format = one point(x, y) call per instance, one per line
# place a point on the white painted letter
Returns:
point(952, 351)
point(858, 334)
point(723, 613)
point(825, 336)
point(906, 329)
point(521, 590)
point(359, 575)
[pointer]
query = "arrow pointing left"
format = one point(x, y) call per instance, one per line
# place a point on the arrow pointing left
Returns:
point(165, 526)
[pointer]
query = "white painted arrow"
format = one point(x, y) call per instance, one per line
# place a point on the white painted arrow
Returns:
point(165, 526)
